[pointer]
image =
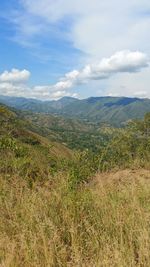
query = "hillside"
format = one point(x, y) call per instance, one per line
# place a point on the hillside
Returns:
point(23, 149)
point(65, 208)
point(111, 110)
point(74, 133)
point(15, 125)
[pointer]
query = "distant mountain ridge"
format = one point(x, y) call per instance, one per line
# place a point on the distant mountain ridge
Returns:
point(111, 110)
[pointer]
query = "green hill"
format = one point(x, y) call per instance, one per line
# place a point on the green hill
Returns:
point(112, 110)
point(24, 150)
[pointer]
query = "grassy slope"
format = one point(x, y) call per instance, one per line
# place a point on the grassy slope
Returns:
point(105, 223)
point(51, 218)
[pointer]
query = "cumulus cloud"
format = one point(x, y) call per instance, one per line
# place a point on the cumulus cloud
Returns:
point(120, 62)
point(11, 89)
point(13, 82)
point(15, 76)
point(37, 92)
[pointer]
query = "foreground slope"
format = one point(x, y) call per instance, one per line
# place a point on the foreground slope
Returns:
point(91, 209)
point(105, 223)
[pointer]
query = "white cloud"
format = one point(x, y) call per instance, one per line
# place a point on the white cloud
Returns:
point(37, 92)
point(130, 85)
point(14, 82)
point(63, 85)
point(11, 89)
point(15, 76)
point(141, 94)
point(97, 28)
point(56, 9)
point(120, 62)
point(123, 61)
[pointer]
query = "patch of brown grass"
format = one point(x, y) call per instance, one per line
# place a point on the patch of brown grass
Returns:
point(105, 223)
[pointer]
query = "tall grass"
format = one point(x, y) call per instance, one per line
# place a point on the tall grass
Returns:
point(104, 223)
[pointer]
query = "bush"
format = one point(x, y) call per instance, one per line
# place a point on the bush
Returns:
point(128, 147)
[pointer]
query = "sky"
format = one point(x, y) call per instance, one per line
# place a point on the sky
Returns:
point(55, 48)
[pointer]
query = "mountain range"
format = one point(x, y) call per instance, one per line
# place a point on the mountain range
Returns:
point(110, 110)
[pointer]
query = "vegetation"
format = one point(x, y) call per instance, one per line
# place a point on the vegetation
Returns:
point(26, 152)
point(75, 134)
point(62, 207)
point(129, 147)
point(106, 224)
point(111, 110)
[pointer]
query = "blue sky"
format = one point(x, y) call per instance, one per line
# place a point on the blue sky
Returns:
point(49, 53)
point(74, 48)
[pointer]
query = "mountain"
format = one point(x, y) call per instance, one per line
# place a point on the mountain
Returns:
point(62, 103)
point(112, 110)
point(37, 105)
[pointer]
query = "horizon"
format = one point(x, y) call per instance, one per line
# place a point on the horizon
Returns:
point(51, 49)
point(49, 100)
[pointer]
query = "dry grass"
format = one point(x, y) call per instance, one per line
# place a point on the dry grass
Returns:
point(105, 223)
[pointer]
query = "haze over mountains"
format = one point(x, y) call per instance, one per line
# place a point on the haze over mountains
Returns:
point(112, 110)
